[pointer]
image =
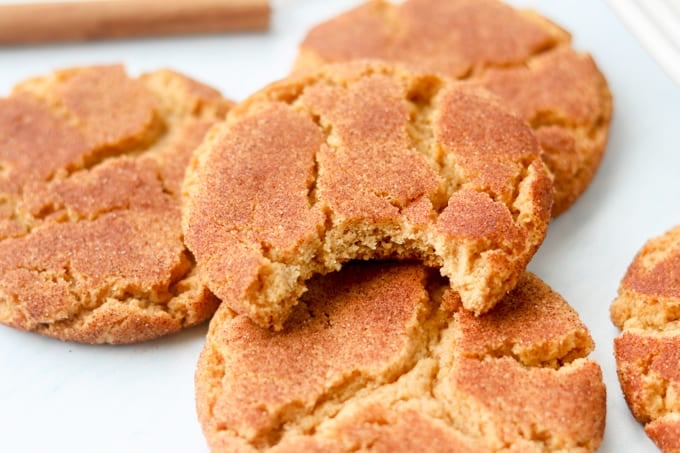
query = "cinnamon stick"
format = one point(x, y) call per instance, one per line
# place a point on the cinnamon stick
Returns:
point(107, 19)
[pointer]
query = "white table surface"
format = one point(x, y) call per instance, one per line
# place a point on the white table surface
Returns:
point(61, 397)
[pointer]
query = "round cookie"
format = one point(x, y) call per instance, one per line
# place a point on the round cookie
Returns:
point(647, 310)
point(517, 54)
point(91, 167)
point(364, 161)
point(380, 357)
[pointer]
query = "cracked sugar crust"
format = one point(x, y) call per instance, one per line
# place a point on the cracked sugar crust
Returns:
point(364, 161)
point(381, 357)
point(647, 310)
point(91, 166)
point(517, 54)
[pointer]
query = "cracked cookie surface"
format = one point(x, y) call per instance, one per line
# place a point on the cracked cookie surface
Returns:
point(91, 166)
point(381, 357)
point(364, 161)
point(520, 56)
point(647, 310)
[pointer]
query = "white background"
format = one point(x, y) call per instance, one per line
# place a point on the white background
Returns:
point(58, 396)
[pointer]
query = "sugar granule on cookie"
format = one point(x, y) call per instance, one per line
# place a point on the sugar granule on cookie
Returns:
point(647, 310)
point(380, 357)
point(364, 161)
point(91, 166)
point(517, 54)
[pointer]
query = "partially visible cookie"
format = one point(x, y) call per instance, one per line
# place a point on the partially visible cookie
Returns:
point(381, 357)
point(364, 160)
point(91, 165)
point(517, 54)
point(647, 309)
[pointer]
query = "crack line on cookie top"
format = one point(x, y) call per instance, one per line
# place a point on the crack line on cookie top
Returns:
point(507, 350)
point(326, 129)
point(653, 382)
point(153, 133)
point(645, 369)
point(644, 312)
point(218, 377)
point(165, 188)
point(107, 291)
point(96, 158)
point(422, 96)
point(452, 416)
point(585, 136)
point(59, 212)
point(423, 101)
point(349, 385)
point(82, 315)
point(102, 154)
point(158, 299)
point(544, 118)
point(357, 387)
point(387, 11)
point(477, 71)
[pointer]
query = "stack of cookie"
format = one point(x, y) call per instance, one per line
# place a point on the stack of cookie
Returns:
point(359, 233)
point(367, 161)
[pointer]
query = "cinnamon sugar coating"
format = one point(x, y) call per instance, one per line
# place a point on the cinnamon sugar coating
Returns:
point(364, 161)
point(647, 310)
point(381, 357)
point(91, 166)
point(517, 54)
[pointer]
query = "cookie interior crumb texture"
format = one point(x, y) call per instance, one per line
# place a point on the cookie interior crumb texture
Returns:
point(380, 357)
point(519, 55)
point(647, 310)
point(364, 161)
point(91, 167)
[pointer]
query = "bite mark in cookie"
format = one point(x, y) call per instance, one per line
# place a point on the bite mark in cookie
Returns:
point(364, 161)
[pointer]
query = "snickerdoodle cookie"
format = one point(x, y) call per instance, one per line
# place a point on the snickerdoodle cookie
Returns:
point(647, 309)
point(360, 161)
point(380, 357)
point(91, 166)
point(517, 54)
